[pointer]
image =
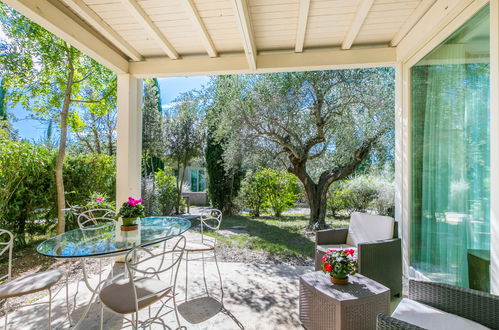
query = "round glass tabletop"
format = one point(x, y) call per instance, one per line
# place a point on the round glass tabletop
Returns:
point(103, 240)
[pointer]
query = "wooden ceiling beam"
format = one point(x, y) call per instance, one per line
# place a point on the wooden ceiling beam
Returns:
point(85, 12)
point(197, 22)
point(412, 20)
point(269, 62)
point(59, 20)
point(246, 30)
point(302, 25)
point(145, 21)
point(358, 21)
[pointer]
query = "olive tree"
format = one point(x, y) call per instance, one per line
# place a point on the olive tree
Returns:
point(321, 125)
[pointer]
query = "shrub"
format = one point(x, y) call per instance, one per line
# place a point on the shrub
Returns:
point(362, 193)
point(281, 190)
point(166, 193)
point(269, 189)
point(250, 195)
point(26, 187)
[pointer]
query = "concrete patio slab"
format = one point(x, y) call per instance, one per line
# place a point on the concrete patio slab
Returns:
point(258, 296)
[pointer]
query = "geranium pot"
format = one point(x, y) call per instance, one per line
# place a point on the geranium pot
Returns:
point(339, 279)
point(128, 224)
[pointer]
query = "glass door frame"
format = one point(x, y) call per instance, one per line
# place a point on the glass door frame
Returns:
point(403, 131)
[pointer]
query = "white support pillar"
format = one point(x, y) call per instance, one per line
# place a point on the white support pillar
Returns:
point(494, 146)
point(129, 138)
point(401, 207)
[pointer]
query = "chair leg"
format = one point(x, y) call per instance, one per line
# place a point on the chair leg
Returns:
point(101, 315)
point(67, 301)
point(219, 277)
point(204, 274)
point(6, 313)
point(186, 273)
point(50, 308)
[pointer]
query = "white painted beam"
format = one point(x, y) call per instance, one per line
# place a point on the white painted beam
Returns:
point(85, 12)
point(244, 23)
point(145, 21)
point(358, 21)
point(61, 24)
point(129, 138)
point(197, 22)
point(302, 25)
point(437, 23)
point(273, 62)
point(412, 20)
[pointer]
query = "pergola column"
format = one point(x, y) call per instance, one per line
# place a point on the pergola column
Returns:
point(129, 138)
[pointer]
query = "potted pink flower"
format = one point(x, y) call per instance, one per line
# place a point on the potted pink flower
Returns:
point(129, 212)
point(339, 264)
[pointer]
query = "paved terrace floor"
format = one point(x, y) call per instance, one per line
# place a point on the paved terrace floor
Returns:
point(257, 296)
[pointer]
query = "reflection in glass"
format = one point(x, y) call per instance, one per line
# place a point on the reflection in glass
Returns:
point(106, 239)
point(450, 156)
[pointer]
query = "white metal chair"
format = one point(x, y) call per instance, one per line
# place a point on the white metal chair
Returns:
point(210, 220)
point(27, 284)
point(96, 218)
point(143, 286)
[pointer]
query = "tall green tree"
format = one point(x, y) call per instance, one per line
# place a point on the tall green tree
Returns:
point(321, 124)
point(224, 181)
point(152, 132)
point(184, 135)
point(53, 79)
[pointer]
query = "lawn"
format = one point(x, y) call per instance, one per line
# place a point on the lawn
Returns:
point(282, 240)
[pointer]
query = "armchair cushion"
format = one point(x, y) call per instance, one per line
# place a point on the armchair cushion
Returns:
point(428, 317)
point(325, 248)
point(369, 228)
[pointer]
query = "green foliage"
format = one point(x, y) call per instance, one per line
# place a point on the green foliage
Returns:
point(166, 193)
point(362, 193)
point(26, 185)
point(88, 173)
point(100, 201)
point(281, 190)
point(223, 181)
point(152, 134)
point(269, 189)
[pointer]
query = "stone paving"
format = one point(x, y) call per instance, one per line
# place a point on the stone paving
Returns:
point(256, 296)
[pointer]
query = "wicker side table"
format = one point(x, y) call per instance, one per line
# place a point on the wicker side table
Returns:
point(354, 306)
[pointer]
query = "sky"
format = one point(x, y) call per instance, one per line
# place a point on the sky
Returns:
point(34, 130)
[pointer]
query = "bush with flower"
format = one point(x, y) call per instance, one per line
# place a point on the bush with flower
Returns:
point(339, 263)
point(131, 210)
point(100, 201)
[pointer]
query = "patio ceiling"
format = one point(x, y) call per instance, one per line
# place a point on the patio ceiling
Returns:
point(188, 37)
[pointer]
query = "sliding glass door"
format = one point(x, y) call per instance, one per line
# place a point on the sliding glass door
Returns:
point(450, 143)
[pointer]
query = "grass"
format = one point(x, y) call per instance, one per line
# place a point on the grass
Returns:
point(284, 238)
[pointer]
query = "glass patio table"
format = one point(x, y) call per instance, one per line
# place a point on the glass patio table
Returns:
point(107, 241)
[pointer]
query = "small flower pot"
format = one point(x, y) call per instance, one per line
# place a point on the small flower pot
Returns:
point(128, 224)
point(129, 228)
point(339, 281)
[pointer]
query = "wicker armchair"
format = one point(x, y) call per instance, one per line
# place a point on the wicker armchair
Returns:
point(378, 260)
point(473, 305)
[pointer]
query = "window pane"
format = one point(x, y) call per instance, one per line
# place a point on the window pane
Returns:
point(450, 231)
point(202, 180)
point(194, 180)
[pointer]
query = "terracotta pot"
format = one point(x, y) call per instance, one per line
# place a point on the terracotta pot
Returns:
point(129, 228)
point(339, 281)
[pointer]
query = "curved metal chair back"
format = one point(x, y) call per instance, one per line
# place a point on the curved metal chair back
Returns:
point(96, 217)
point(153, 264)
point(6, 247)
point(211, 219)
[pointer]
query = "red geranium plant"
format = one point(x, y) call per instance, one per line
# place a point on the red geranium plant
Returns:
point(339, 263)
